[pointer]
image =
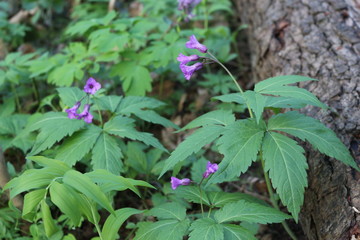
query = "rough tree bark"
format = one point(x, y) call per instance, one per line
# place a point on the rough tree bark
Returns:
point(320, 39)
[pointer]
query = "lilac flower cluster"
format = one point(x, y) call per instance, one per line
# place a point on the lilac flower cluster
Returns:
point(91, 87)
point(188, 71)
point(187, 6)
point(210, 169)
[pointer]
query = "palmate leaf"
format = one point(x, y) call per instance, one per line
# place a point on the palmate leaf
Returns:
point(256, 102)
point(70, 95)
point(136, 78)
point(192, 194)
point(249, 212)
point(206, 228)
point(275, 86)
point(78, 145)
point(313, 131)
point(235, 232)
point(49, 133)
point(218, 117)
point(124, 127)
point(171, 210)
point(240, 145)
point(231, 97)
point(285, 161)
point(153, 117)
point(164, 229)
point(106, 154)
point(131, 104)
point(192, 144)
point(110, 103)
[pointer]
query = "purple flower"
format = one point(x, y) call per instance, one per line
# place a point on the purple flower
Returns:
point(187, 5)
point(175, 182)
point(194, 44)
point(210, 169)
point(188, 71)
point(86, 115)
point(91, 86)
point(185, 59)
point(72, 112)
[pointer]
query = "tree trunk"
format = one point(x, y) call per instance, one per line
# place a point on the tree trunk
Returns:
point(319, 39)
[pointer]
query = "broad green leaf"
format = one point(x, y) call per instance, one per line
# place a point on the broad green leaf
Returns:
point(109, 182)
point(122, 127)
point(31, 201)
point(49, 162)
point(256, 102)
point(219, 199)
point(284, 102)
point(33, 179)
point(50, 134)
point(79, 144)
point(206, 228)
point(240, 145)
point(67, 200)
point(131, 104)
point(114, 222)
point(13, 124)
point(63, 75)
point(313, 131)
point(275, 86)
point(8, 107)
point(218, 117)
point(235, 232)
point(171, 210)
point(274, 82)
point(164, 229)
point(136, 78)
point(70, 95)
point(136, 157)
point(49, 223)
point(152, 116)
point(192, 194)
point(106, 154)
point(84, 185)
point(110, 103)
point(249, 212)
point(285, 161)
point(192, 144)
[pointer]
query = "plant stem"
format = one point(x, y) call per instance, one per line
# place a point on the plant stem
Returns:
point(234, 80)
point(17, 100)
point(99, 112)
point(36, 92)
point(201, 203)
point(206, 15)
point(273, 200)
point(94, 218)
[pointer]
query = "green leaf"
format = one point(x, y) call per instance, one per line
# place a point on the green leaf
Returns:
point(153, 117)
point(274, 82)
point(114, 222)
point(285, 161)
point(218, 117)
point(84, 185)
point(235, 232)
point(256, 102)
point(313, 131)
point(240, 145)
point(131, 104)
point(249, 212)
point(109, 182)
point(49, 162)
point(31, 201)
point(8, 107)
point(192, 144)
point(49, 223)
point(136, 78)
point(106, 154)
point(67, 200)
point(75, 147)
point(192, 194)
point(206, 228)
point(275, 86)
point(70, 95)
point(171, 210)
point(164, 229)
point(219, 199)
point(32, 179)
point(284, 102)
point(63, 75)
point(123, 127)
point(50, 134)
point(232, 97)
point(110, 103)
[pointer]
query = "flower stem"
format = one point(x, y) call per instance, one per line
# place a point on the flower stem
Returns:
point(234, 80)
point(201, 203)
point(273, 200)
point(99, 112)
point(206, 15)
point(17, 100)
